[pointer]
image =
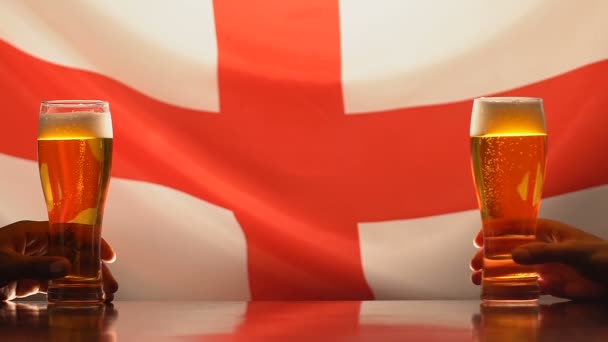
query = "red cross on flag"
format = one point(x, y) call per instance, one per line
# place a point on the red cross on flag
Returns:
point(304, 149)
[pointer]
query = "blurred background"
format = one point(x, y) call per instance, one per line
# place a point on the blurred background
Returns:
point(304, 149)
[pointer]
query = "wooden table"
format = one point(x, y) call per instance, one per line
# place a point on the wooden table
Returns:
point(304, 321)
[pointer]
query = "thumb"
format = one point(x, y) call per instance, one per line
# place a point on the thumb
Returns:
point(16, 266)
point(566, 253)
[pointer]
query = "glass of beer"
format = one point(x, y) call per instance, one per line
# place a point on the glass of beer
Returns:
point(508, 154)
point(74, 159)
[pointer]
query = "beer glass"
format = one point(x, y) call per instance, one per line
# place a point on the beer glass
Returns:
point(508, 153)
point(74, 159)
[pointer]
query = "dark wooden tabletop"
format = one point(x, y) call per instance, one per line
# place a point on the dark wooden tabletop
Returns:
point(304, 321)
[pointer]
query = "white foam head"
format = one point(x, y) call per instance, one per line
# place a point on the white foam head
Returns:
point(507, 116)
point(75, 125)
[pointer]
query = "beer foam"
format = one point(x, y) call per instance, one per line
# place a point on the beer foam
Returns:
point(75, 125)
point(507, 116)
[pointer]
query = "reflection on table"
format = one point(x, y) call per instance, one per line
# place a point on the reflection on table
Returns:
point(42, 322)
point(564, 321)
point(305, 321)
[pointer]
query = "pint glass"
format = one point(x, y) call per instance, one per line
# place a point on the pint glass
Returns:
point(508, 153)
point(74, 159)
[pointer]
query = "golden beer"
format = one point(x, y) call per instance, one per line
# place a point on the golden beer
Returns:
point(508, 154)
point(74, 158)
